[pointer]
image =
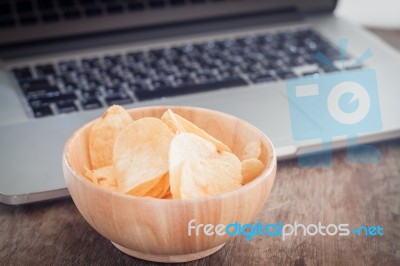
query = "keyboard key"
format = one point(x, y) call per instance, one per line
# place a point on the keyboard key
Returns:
point(52, 98)
point(36, 86)
point(42, 111)
point(22, 73)
point(66, 107)
point(135, 6)
point(45, 4)
point(156, 3)
point(190, 88)
point(28, 19)
point(91, 103)
point(93, 11)
point(50, 17)
point(260, 78)
point(177, 2)
point(285, 74)
point(6, 21)
point(118, 99)
point(5, 9)
point(24, 6)
point(114, 8)
point(44, 70)
point(71, 13)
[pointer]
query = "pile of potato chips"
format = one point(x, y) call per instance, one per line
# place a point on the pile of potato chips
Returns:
point(165, 158)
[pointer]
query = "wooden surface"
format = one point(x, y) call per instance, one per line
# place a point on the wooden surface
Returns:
point(54, 233)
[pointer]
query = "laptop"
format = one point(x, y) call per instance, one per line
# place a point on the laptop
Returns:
point(63, 62)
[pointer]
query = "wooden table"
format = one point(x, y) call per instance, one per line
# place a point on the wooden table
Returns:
point(54, 233)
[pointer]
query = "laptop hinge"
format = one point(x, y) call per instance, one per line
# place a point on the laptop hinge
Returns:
point(267, 18)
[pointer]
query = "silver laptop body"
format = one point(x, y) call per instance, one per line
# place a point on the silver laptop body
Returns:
point(41, 107)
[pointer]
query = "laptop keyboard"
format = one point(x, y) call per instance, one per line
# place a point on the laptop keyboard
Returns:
point(96, 82)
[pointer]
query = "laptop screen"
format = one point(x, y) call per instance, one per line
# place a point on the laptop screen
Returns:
point(31, 20)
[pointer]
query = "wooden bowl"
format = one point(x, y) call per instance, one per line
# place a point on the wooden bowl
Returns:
point(157, 229)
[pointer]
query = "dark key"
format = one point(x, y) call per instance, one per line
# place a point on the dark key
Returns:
point(135, 6)
point(6, 21)
point(353, 67)
point(89, 63)
point(118, 99)
point(283, 74)
point(156, 3)
point(91, 93)
point(67, 66)
point(259, 78)
point(66, 3)
point(22, 73)
point(50, 17)
point(50, 98)
point(66, 106)
point(311, 73)
point(24, 6)
point(35, 85)
point(44, 70)
point(5, 8)
point(41, 111)
point(87, 2)
point(328, 68)
point(91, 103)
point(28, 19)
point(186, 89)
point(177, 2)
point(45, 4)
point(93, 11)
point(114, 8)
point(71, 13)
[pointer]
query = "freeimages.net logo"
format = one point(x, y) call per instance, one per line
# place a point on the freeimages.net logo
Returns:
point(344, 103)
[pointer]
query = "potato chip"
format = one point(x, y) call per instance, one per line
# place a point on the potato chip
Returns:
point(105, 177)
point(198, 169)
point(144, 189)
point(103, 134)
point(185, 147)
point(140, 153)
point(210, 176)
point(251, 150)
point(251, 168)
point(180, 124)
point(168, 195)
point(160, 189)
point(90, 176)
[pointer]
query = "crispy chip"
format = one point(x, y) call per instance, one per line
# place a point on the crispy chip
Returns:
point(168, 195)
point(197, 169)
point(103, 134)
point(210, 176)
point(251, 168)
point(90, 176)
point(180, 124)
point(140, 154)
point(251, 150)
point(160, 189)
point(145, 189)
point(185, 147)
point(102, 176)
point(105, 177)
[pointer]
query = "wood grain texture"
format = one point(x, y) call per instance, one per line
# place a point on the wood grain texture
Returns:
point(54, 233)
point(157, 229)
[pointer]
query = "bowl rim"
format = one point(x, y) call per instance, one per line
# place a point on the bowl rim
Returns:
point(266, 173)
